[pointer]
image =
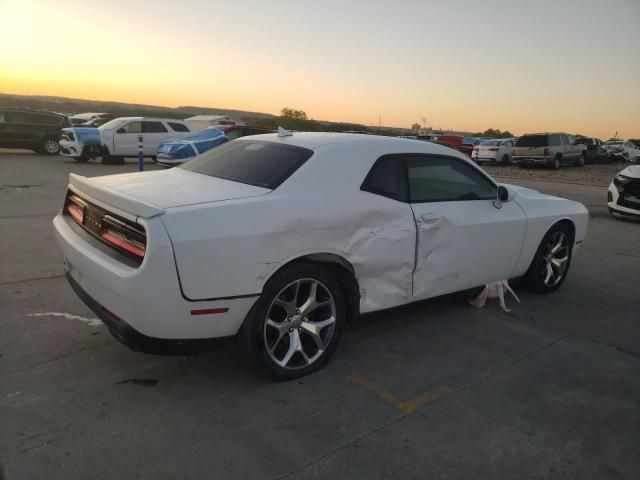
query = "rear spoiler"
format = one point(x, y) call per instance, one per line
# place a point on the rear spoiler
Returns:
point(121, 201)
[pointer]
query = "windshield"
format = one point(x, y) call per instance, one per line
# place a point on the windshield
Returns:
point(532, 141)
point(111, 125)
point(469, 141)
point(262, 164)
point(206, 134)
point(614, 143)
point(489, 143)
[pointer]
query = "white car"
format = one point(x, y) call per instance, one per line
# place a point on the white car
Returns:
point(281, 239)
point(623, 197)
point(119, 138)
point(497, 150)
point(624, 150)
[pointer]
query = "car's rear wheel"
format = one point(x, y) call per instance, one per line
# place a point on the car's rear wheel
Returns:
point(550, 265)
point(109, 159)
point(296, 324)
point(556, 162)
point(582, 160)
point(505, 159)
point(50, 146)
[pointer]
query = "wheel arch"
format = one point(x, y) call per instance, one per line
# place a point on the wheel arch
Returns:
point(341, 269)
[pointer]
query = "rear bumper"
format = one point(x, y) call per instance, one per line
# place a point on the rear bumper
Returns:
point(147, 298)
point(533, 160)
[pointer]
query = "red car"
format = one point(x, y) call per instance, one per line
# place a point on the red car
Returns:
point(468, 143)
point(236, 131)
point(453, 141)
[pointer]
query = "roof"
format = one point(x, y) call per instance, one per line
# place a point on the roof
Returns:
point(150, 118)
point(208, 118)
point(315, 140)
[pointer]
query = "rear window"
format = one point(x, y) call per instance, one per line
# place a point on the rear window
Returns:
point(532, 141)
point(178, 127)
point(262, 164)
point(491, 143)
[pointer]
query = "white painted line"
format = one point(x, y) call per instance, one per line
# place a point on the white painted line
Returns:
point(94, 322)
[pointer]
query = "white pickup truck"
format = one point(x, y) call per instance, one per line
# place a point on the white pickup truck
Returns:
point(119, 138)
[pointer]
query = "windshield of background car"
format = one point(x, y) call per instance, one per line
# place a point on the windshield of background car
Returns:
point(111, 125)
point(469, 141)
point(262, 164)
point(489, 143)
point(614, 143)
point(532, 141)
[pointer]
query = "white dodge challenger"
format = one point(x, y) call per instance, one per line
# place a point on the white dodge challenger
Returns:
point(281, 239)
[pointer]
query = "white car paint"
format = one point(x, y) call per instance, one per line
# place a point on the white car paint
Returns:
point(623, 149)
point(214, 243)
point(120, 136)
point(632, 173)
point(493, 151)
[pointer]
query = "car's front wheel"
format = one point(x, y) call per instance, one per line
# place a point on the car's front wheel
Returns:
point(550, 265)
point(296, 324)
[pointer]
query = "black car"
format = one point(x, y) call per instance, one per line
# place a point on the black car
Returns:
point(595, 152)
point(31, 129)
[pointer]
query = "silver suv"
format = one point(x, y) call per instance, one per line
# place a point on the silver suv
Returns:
point(549, 149)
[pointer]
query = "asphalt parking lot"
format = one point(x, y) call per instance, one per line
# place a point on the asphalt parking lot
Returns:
point(432, 390)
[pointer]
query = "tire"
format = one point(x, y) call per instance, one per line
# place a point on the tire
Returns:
point(154, 159)
point(505, 160)
point(108, 159)
point(50, 146)
point(538, 278)
point(81, 159)
point(278, 337)
point(556, 162)
point(582, 160)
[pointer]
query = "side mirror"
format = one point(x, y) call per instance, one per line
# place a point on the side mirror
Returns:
point(121, 130)
point(503, 196)
point(503, 193)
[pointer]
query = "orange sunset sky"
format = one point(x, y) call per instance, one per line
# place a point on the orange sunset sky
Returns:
point(520, 65)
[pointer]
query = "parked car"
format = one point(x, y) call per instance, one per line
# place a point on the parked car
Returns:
point(549, 149)
point(118, 138)
point(80, 143)
point(468, 144)
point(31, 129)
point(623, 197)
point(453, 141)
point(236, 131)
point(280, 239)
point(496, 150)
point(82, 119)
point(175, 152)
point(595, 151)
point(623, 150)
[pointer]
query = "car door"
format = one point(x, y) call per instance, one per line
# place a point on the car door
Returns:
point(154, 133)
point(463, 239)
point(125, 140)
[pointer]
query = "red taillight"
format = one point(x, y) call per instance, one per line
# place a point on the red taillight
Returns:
point(546, 152)
point(76, 208)
point(120, 235)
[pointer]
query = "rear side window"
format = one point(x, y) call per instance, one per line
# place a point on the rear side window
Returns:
point(442, 179)
point(153, 127)
point(32, 118)
point(263, 164)
point(532, 141)
point(178, 127)
point(387, 178)
point(554, 140)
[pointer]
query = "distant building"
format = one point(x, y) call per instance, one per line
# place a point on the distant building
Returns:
point(200, 122)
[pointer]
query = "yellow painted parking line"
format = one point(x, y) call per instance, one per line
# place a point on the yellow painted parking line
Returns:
point(406, 406)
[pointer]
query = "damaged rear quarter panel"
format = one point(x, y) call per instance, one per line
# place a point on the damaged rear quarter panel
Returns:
point(233, 247)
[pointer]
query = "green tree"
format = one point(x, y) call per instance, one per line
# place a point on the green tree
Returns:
point(294, 119)
point(293, 114)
